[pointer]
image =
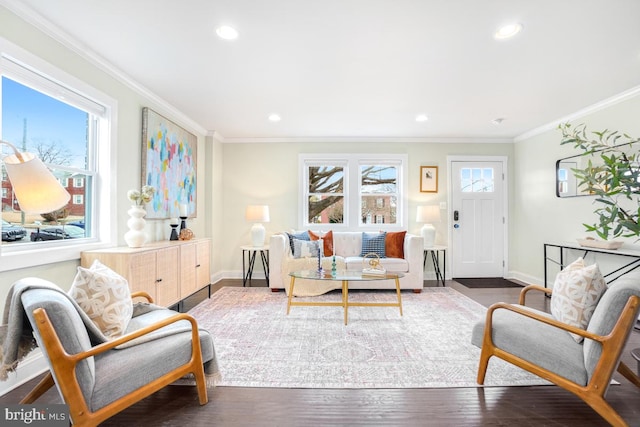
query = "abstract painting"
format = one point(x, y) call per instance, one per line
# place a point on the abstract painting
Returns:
point(168, 165)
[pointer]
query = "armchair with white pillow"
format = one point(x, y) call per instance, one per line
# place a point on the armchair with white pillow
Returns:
point(578, 345)
point(104, 353)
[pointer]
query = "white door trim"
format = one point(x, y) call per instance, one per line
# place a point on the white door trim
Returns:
point(505, 204)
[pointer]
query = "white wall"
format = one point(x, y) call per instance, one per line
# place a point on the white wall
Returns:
point(540, 216)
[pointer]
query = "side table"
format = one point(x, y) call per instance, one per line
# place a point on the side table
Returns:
point(249, 260)
point(434, 251)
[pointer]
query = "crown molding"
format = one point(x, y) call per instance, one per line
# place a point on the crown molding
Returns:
point(33, 18)
point(616, 99)
point(354, 139)
point(217, 136)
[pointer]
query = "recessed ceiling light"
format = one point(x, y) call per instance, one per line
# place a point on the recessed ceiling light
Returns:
point(507, 31)
point(274, 118)
point(421, 118)
point(226, 32)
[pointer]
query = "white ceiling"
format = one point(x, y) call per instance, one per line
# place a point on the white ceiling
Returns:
point(340, 69)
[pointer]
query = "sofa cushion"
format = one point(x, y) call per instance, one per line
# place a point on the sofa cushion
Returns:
point(327, 241)
point(347, 243)
point(301, 235)
point(105, 297)
point(305, 249)
point(373, 243)
point(394, 244)
point(576, 292)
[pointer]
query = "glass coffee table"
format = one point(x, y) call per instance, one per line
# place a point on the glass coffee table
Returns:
point(345, 277)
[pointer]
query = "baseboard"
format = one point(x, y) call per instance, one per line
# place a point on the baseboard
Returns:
point(526, 278)
point(33, 365)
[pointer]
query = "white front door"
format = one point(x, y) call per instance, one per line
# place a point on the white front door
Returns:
point(478, 219)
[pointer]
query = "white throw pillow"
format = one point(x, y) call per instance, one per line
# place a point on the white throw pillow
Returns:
point(105, 297)
point(576, 292)
point(305, 249)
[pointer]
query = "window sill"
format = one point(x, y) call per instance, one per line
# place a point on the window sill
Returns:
point(25, 256)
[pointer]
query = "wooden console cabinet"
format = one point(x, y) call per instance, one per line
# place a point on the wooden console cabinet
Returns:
point(169, 271)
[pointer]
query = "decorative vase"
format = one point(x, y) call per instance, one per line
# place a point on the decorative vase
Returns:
point(136, 236)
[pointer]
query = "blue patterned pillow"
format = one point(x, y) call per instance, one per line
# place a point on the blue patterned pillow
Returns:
point(305, 249)
point(303, 235)
point(374, 242)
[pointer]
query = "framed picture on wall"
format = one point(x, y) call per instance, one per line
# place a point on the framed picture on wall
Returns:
point(168, 165)
point(428, 179)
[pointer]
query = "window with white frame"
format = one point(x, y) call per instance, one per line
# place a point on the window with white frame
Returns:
point(378, 192)
point(353, 191)
point(325, 192)
point(67, 124)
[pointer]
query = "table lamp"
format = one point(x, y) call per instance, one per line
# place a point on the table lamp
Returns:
point(428, 215)
point(257, 214)
point(34, 186)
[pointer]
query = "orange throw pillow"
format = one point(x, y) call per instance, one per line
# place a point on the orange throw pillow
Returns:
point(327, 240)
point(394, 244)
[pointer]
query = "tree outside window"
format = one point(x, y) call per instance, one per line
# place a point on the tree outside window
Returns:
point(370, 196)
point(326, 194)
point(379, 193)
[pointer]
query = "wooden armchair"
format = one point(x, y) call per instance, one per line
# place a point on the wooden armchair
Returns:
point(536, 342)
point(98, 381)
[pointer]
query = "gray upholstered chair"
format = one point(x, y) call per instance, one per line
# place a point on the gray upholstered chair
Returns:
point(536, 342)
point(98, 380)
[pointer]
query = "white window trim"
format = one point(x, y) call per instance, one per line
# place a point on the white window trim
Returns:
point(352, 164)
point(26, 255)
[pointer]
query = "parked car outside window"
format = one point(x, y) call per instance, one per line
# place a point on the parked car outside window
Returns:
point(11, 232)
point(57, 232)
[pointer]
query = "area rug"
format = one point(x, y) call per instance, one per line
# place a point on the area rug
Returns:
point(258, 345)
point(487, 282)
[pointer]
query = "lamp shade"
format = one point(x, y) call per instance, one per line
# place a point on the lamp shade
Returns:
point(428, 214)
point(257, 213)
point(35, 187)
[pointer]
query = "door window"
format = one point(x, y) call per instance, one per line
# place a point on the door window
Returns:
point(477, 180)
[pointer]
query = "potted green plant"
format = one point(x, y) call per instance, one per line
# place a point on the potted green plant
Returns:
point(612, 175)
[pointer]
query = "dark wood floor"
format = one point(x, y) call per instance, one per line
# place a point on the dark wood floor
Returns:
point(508, 406)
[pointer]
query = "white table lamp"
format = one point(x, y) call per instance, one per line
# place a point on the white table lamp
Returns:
point(428, 215)
point(257, 214)
point(34, 186)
